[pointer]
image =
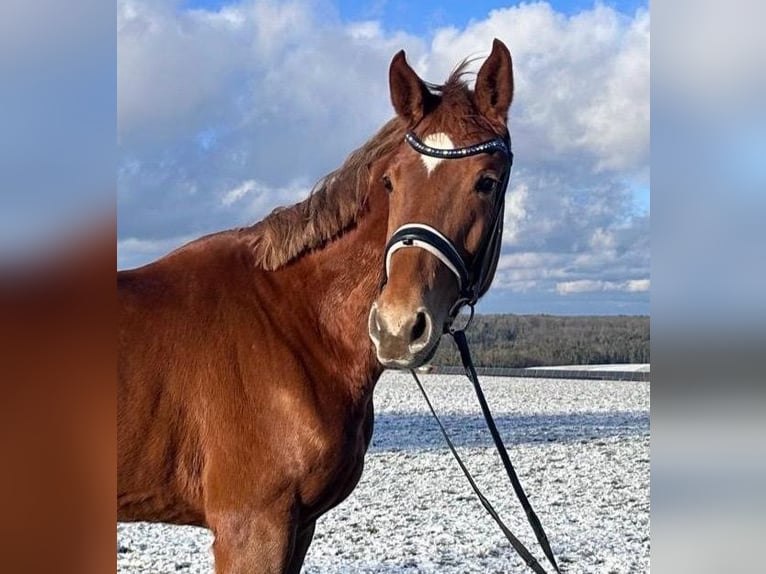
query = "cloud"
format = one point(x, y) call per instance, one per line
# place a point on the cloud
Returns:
point(515, 213)
point(588, 286)
point(582, 82)
point(239, 191)
point(637, 286)
point(256, 198)
point(273, 92)
point(223, 115)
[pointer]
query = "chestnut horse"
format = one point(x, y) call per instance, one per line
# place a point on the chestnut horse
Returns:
point(248, 358)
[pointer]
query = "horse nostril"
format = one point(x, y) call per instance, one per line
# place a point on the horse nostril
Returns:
point(374, 323)
point(419, 328)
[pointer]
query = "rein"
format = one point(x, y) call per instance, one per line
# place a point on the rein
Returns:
point(534, 521)
point(472, 283)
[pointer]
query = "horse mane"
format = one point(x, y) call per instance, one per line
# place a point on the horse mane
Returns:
point(334, 204)
point(339, 198)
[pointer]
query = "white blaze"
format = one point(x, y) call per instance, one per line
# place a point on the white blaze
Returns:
point(439, 141)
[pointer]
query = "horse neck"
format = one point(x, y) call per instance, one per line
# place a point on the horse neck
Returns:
point(348, 272)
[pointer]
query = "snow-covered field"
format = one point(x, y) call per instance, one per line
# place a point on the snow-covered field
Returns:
point(581, 449)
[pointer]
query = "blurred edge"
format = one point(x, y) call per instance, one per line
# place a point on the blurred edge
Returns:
point(57, 294)
point(57, 412)
point(708, 281)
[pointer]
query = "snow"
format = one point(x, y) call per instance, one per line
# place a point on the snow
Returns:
point(581, 449)
point(611, 367)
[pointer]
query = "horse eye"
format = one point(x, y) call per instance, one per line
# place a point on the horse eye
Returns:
point(486, 184)
point(387, 184)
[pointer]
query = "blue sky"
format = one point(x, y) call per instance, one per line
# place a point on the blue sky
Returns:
point(424, 16)
point(210, 92)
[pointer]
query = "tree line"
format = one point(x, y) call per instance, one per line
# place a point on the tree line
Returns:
point(546, 340)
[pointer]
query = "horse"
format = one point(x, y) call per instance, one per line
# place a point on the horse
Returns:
point(248, 358)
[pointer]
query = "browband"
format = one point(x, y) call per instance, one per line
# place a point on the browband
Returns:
point(489, 146)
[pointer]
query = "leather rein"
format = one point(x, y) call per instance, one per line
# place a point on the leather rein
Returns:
point(473, 282)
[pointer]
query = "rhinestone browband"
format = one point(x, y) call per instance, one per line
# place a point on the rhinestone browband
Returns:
point(489, 146)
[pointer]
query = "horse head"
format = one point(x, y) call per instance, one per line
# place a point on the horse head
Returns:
point(446, 183)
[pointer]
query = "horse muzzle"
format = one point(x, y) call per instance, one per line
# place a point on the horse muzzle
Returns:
point(403, 339)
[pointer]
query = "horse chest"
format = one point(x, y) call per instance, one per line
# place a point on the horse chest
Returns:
point(337, 469)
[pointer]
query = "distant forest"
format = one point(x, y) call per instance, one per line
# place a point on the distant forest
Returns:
point(546, 340)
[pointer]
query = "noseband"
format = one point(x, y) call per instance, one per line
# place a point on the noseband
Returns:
point(473, 280)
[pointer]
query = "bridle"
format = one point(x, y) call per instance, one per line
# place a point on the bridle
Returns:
point(474, 277)
point(473, 281)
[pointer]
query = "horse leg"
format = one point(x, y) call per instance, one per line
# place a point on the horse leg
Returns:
point(253, 543)
point(302, 542)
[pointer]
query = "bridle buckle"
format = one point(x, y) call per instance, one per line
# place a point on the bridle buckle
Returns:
point(449, 327)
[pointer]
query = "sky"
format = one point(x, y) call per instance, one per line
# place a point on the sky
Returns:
point(229, 109)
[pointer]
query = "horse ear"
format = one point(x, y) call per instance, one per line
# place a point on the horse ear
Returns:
point(409, 94)
point(494, 84)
